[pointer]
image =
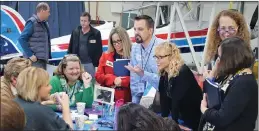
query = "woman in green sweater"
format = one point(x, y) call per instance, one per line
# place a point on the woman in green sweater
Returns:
point(70, 78)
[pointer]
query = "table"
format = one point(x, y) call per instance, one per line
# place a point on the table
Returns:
point(89, 123)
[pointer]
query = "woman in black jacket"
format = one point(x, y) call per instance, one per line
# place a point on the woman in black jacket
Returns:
point(180, 93)
point(238, 109)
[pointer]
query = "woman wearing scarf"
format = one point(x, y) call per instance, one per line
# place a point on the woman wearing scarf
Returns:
point(70, 78)
point(230, 104)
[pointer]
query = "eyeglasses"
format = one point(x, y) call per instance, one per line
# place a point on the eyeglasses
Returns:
point(161, 57)
point(69, 55)
point(231, 30)
point(67, 58)
point(116, 42)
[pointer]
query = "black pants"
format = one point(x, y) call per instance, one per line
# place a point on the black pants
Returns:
point(40, 63)
point(166, 107)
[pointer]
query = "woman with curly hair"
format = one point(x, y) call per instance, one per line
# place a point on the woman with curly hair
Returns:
point(134, 117)
point(228, 23)
point(179, 91)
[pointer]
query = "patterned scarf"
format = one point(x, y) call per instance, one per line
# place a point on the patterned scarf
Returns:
point(224, 86)
point(71, 91)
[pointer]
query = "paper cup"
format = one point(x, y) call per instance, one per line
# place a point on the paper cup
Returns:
point(80, 121)
point(80, 108)
point(56, 97)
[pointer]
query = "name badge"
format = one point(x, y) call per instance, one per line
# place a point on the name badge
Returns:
point(109, 63)
point(92, 41)
point(141, 86)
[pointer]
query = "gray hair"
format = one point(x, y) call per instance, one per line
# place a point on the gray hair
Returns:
point(42, 6)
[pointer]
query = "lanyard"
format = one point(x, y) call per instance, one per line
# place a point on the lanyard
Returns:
point(70, 97)
point(142, 65)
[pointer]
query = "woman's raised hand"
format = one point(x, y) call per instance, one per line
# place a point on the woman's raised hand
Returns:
point(87, 78)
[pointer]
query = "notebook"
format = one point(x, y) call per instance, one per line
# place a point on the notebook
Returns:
point(214, 94)
point(119, 69)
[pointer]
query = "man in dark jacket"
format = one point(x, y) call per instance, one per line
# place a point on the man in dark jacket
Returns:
point(86, 42)
point(35, 38)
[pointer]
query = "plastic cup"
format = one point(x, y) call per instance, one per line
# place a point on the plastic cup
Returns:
point(80, 106)
point(95, 106)
point(80, 122)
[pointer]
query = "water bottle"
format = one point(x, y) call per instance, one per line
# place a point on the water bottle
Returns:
point(118, 104)
point(111, 109)
point(94, 126)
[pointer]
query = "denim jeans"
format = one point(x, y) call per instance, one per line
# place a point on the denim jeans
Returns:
point(89, 68)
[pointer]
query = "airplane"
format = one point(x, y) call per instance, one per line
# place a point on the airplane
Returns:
point(12, 25)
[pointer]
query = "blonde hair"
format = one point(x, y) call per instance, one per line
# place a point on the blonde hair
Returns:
point(63, 64)
point(126, 43)
point(175, 58)
point(29, 81)
point(15, 66)
point(214, 38)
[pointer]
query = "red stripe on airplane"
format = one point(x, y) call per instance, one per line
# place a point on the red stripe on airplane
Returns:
point(16, 19)
point(173, 35)
point(162, 36)
point(182, 35)
point(63, 46)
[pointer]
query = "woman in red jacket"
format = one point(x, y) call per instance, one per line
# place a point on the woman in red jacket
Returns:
point(119, 47)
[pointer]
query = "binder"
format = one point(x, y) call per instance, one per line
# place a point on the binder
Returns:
point(119, 69)
point(214, 94)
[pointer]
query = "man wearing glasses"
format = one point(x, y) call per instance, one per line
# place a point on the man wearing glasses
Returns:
point(86, 43)
point(143, 67)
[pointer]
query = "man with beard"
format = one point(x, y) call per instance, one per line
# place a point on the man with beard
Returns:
point(143, 67)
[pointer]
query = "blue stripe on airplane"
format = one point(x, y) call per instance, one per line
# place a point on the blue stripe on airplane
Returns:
point(9, 24)
point(195, 41)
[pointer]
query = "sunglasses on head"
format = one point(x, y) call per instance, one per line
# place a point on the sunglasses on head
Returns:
point(67, 55)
